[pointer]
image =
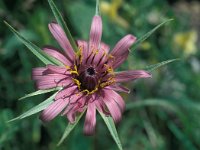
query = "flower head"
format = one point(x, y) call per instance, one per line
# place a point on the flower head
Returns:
point(87, 77)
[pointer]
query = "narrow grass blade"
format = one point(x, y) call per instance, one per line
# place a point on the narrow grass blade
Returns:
point(69, 128)
point(46, 59)
point(39, 92)
point(153, 102)
point(36, 109)
point(111, 127)
point(144, 37)
point(187, 143)
point(158, 65)
point(62, 23)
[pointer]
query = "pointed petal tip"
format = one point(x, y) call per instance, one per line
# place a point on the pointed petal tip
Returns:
point(51, 25)
point(132, 37)
point(125, 76)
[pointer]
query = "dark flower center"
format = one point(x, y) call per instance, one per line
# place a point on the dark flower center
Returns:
point(88, 79)
point(90, 71)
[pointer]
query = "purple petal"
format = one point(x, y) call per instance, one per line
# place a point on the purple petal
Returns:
point(99, 57)
point(118, 99)
point(37, 73)
point(112, 106)
point(73, 107)
point(52, 69)
point(120, 51)
point(62, 39)
point(119, 60)
point(53, 80)
point(118, 88)
point(53, 110)
point(54, 53)
point(71, 115)
point(90, 120)
point(75, 100)
point(66, 93)
point(95, 33)
point(125, 76)
point(101, 106)
point(84, 46)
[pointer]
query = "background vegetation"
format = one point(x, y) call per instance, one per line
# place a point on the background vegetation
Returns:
point(162, 113)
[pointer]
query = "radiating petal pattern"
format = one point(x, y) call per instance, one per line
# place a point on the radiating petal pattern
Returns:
point(37, 73)
point(53, 110)
point(54, 53)
point(112, 106)
point(87, 79)
point(62, 39)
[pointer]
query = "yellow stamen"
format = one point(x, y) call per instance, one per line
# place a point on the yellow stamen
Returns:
point(95, 52)
point(80, 54)
point(109, 82)
point(77, 82)
point(67, 67)
point(75, 71)
point(109, 69)
point(90, 92)
point(111, 56)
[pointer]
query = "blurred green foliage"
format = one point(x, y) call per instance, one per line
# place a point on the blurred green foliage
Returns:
point(162, 112)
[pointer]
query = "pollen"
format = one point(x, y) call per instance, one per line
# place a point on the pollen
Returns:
point(79, 54)
point(110, 81)
point(77, 82)
point(75, 71)
point(109, 69)
point(90, 92)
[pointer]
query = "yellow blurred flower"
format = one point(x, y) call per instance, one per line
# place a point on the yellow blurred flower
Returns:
point(111, 10)
point(145, 46)
point(186, 41)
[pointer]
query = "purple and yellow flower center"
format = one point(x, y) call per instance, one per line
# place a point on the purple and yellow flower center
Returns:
point(90, 76)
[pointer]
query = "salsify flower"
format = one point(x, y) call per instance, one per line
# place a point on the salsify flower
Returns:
point(87, 77)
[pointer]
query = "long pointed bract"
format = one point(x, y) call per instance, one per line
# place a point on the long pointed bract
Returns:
point(144, 37)
point(36, 109)
point(111, 127)
point(34, 49)
point(69, 128)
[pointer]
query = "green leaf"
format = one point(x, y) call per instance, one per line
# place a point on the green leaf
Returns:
point(69, 128)
point(36, 109)
point(144, 37)
point(158, 65)
point(39, 92)
point(46, 59)
point(62, 23)
point(111, 127)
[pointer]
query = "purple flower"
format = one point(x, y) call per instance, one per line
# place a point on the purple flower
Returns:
point(87, 77)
